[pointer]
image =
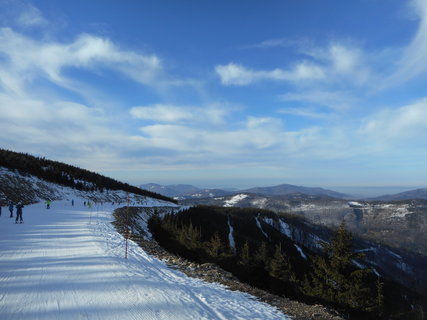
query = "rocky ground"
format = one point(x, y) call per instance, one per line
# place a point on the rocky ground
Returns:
point(212, 273)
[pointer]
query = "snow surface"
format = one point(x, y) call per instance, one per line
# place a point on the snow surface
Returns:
point(300, 251)
point(235, 199)
point(230, 235)
point(285, 229)
point(68, 263)
point(260, 227)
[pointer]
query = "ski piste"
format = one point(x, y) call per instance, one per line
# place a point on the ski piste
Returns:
point(68, 263)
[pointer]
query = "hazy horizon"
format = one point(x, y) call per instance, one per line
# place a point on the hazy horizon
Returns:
point(356, 191)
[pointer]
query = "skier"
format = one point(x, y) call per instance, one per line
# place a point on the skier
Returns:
point(89, 205)
point(11, 209)
point(47, 204)
point(72, 202)
point(19, 213)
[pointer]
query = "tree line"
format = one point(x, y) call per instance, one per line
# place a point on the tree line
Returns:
point(67, 175)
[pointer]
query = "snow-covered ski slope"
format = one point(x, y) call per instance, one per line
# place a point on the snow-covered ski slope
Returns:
point(68, 263)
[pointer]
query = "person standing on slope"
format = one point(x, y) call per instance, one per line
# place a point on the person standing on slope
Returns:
point(48, 204)
point(11, 209)
point(19, 213)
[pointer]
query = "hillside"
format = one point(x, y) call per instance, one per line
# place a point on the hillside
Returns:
point(286, 189)
point(184, 191)
point(67, 262)
point(245, 242)
point(62, 174)
point(407, 195)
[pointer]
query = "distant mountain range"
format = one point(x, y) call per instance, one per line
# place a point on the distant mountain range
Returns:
point(184, 191)
point(286, 189)
point(407, 195)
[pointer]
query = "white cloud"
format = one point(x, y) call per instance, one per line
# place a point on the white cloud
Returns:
point(234, 74)
point(30, 16)
point(28, 58)
point(340, 101)
point(407, 123)
point(255, 139)
point(304, 112)
point(343, 59)
point(213, 113)
point(257, 135)
point(413, 60)
point(336, 64)
point(63, 130)
point(162, 113)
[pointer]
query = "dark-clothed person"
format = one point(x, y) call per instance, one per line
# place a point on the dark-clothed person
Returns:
point(19, 213)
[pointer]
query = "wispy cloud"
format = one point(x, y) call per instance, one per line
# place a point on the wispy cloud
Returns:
point(407, 123)
point(234, 74)
point(28, 58)
point(413, 60)
point(214, 113)
point(304, 112)
point(338, 64)
point(339, 101)
point(31, 16)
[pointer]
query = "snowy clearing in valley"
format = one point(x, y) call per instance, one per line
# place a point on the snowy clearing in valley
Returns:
point(68, 263)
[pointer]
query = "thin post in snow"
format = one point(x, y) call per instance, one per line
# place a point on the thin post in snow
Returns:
point(127, 226)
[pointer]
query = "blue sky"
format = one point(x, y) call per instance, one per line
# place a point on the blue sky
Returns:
point(220, 93)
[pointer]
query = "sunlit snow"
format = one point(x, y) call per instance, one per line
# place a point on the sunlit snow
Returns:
point(68, 263)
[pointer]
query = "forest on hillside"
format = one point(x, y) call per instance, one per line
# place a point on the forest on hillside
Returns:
point(67, 175)
point(267, 259)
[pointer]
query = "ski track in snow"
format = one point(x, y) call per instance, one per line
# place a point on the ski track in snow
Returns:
point(68, 263)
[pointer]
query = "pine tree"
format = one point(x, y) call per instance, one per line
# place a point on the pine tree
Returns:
point(262, 254)
point(337, 280)
point(189, 236)
point(380, 297)
point(244, 257)
point(280, 266)
point(215, 246)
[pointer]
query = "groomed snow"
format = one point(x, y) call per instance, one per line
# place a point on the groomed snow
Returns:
point(68, 263)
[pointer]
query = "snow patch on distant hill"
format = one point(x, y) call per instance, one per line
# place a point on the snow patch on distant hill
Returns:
point(234, 200)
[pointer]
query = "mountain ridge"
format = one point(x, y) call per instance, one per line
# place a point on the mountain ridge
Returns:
point(406, 195)
point(185, 191)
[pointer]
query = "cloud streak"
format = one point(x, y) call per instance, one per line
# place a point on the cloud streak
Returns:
point(27, 59)
point(413, 60)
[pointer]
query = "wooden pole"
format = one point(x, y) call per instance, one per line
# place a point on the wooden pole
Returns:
point(127, 226)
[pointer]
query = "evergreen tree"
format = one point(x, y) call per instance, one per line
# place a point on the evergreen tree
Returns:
point(380, 297)
point(244, 257)
point(215, 246)
point(280, 266)
point(262, 255)
point(337, 280)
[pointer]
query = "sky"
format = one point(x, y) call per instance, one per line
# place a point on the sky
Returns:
point(220, 93)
